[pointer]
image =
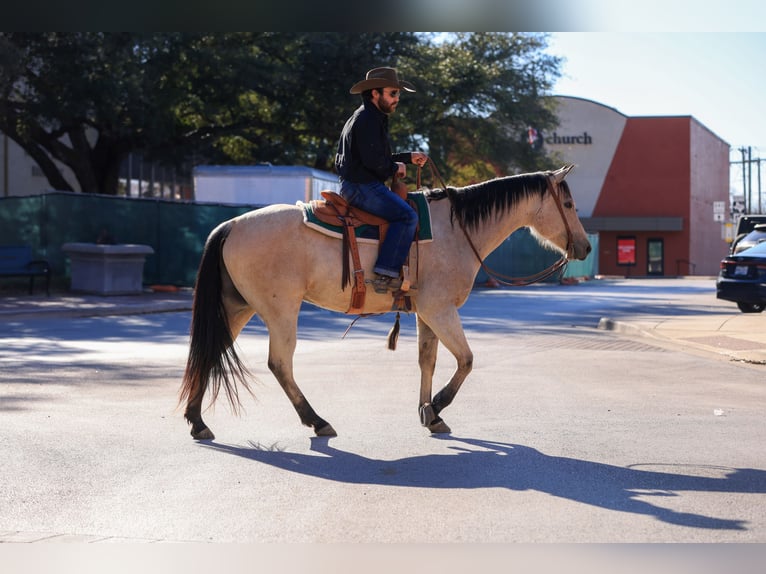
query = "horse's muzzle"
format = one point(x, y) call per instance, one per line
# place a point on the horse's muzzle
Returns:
point(581, 250)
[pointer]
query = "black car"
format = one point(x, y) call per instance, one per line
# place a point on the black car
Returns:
point(742, 279)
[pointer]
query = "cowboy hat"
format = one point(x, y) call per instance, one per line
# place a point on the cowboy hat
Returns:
point(381, 78)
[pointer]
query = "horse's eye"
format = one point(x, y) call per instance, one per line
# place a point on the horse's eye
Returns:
point(568, 204)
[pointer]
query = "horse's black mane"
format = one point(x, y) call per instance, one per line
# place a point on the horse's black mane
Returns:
point(475, 204)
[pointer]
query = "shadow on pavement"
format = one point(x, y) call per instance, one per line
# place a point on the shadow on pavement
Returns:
point(487, 464)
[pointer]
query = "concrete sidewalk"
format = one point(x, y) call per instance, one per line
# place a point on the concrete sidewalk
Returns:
point(738, 337)
point(17, 307)
point(731, 335)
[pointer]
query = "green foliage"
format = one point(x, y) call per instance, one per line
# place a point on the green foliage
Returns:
point(482, 91)
point(87, 100)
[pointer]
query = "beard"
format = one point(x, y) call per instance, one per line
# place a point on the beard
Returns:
point(386, 107)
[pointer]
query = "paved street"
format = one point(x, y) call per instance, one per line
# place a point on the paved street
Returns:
point(564, 431)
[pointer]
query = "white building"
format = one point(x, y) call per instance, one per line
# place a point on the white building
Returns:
point(20, 174)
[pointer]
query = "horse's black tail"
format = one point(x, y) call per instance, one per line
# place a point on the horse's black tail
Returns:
point(212, 356)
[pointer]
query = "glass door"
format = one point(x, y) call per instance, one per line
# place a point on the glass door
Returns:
point(655, 250)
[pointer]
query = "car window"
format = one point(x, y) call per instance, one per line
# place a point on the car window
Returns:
point(747, 223)
point(757, 250)
point(754, 237)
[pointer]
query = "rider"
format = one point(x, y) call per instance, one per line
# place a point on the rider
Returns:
point(364, 162)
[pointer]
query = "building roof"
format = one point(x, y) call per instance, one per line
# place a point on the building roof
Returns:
point(263, 170)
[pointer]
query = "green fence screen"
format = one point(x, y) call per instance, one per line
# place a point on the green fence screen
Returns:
point(520, 255)
point(177, 232)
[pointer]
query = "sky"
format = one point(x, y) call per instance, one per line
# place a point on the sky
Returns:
point(719, 78)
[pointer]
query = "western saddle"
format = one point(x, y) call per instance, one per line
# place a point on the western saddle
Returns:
point(335, 210)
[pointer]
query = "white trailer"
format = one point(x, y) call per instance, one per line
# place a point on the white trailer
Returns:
point(261, 184)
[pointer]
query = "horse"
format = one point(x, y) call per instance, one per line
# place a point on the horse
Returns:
point(268, 262)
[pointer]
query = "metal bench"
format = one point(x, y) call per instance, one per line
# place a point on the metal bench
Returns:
point(16, 261)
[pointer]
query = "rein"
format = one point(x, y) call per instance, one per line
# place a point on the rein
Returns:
point(505, 279)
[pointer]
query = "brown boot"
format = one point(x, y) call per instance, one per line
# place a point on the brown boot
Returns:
point(385, 284)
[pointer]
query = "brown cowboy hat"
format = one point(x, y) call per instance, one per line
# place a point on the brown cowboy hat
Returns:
point(381, 78)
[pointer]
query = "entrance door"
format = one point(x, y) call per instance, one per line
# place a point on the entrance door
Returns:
point(655, 249)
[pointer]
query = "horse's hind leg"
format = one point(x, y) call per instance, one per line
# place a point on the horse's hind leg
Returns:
point(282, 343)
point(237, 318)
point(193, 414)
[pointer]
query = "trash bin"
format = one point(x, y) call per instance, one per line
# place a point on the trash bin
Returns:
point(107, 269)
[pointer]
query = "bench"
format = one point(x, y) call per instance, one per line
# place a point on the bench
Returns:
point(16, 261)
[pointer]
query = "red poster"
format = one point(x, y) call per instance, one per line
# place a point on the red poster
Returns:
point(626, 251)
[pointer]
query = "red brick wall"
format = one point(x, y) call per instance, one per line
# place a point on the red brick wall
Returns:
point(649, 177)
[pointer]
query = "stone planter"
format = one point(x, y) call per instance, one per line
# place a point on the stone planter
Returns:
point(107, 269)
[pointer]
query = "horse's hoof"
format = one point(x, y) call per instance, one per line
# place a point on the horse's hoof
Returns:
point(204, 434)
point(325, 430)
point(439, 427)
point(427, 415)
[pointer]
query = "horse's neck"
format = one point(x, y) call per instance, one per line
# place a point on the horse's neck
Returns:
point(489, 235)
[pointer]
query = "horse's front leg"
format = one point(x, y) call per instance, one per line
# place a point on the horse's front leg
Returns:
point(428, 345)
point(282, 343)
point(447, 328)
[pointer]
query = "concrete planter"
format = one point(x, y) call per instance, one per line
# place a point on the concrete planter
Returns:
point(107, 269)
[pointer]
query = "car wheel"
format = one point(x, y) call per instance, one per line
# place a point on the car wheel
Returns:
point(751, 307)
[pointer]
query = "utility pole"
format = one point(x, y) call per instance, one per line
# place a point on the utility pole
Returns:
point(760, 207)
point(747, 179)
point(744, 178)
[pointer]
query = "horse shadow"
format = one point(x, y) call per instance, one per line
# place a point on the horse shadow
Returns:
point(487, 464)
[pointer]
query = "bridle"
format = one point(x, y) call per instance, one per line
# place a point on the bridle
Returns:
point(499, 277)
point(505, 279)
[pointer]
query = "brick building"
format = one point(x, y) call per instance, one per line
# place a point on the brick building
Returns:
point(649, 186)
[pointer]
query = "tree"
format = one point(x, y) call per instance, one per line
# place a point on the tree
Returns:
point(477, 94)
point(310, 99)
point(87, 100)
point(481, 92)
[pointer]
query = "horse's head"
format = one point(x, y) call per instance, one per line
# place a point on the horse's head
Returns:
point(556, 222)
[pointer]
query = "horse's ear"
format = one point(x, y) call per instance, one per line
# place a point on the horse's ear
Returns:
point(561, 173)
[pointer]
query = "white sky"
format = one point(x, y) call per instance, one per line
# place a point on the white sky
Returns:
point(719, 78)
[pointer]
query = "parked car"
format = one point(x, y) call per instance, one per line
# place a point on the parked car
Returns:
point(757, 235)
point(745, 225)
point(742, 279)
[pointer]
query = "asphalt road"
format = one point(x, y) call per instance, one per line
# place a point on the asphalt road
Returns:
point(562, 433)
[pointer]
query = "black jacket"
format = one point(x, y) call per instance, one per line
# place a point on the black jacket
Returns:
point(364, 150)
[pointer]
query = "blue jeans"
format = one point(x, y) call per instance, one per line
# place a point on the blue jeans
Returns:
point(379, 200)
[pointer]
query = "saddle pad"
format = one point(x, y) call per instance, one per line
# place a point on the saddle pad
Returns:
point(369, 233)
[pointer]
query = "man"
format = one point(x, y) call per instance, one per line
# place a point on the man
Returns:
point(364, 162)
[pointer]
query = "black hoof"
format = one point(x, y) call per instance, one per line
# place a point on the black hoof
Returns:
point(427, 414)
point(325, 430)
point(203, 434)
point(438, 426)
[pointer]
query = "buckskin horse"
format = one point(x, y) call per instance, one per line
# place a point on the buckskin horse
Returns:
point(267, 262)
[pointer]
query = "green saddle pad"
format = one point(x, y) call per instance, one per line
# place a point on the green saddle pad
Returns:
point(370, 232)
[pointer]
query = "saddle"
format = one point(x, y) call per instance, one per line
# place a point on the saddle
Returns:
point(335, 210)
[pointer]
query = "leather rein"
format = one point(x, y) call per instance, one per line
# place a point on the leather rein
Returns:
point(505, 279)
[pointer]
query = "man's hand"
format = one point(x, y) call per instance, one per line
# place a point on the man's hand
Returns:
point(419, 158)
